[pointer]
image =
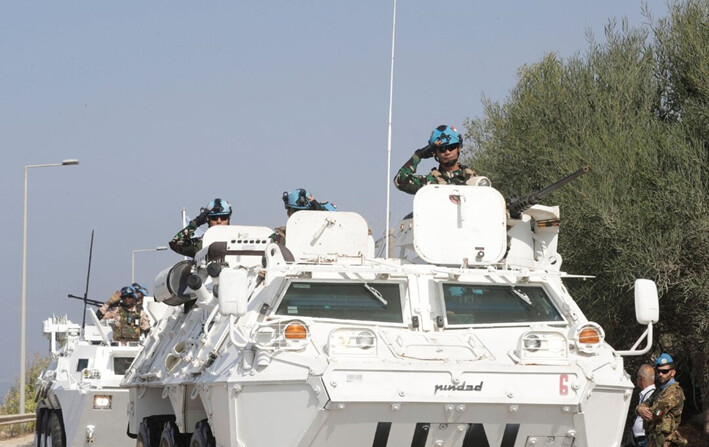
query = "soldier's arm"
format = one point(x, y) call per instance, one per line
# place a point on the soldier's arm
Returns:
point(103, 310)
point(406, 179)
point(660, 409)
point(111, 313)
point(184, 242)
point(644, 411)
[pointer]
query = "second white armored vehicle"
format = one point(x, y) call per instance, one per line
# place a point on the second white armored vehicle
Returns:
point(79, 400)
point(470, 338)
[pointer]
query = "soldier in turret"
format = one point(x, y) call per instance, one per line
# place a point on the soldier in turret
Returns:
point(129, 320)
point(141, 291)
point(218, 212)
point(663, 412)
point(296, 200)
point(444, 145)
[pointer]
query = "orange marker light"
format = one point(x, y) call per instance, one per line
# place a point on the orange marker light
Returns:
point(589, 335)
point(296, 331)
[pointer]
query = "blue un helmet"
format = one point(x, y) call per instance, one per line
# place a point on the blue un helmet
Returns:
point(139, 288)
point(219, 207)
point(447, 134)
point(128, 292)
point(297, 199)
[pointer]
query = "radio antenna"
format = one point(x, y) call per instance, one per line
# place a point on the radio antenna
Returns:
point(391, 100)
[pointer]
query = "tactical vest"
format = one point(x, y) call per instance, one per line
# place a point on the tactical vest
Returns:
point(128, 326)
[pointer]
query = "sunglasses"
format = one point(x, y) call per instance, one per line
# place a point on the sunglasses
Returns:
point(216, 218)
point(663, 371)
point(450, 147)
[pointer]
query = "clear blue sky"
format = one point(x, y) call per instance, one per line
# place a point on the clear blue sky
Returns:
point(169, 104)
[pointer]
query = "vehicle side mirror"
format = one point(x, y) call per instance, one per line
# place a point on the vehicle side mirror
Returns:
point(647, 305)
point(233, 291)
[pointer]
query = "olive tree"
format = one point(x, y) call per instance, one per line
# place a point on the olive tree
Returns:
point(634, 108)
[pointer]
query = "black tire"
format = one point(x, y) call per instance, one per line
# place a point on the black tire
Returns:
point(143, 438)
point(202, 436)
point(151, 429)
point(171, 436)
point(55, 431)
point(45, 428)
point(39, 429)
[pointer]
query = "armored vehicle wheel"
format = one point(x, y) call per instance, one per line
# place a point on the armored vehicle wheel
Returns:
point(54, 431)
point(202, 436)
point(171, 436)
point(46, 433)
point(143, 438)
point(151, 429)
point(39, 436)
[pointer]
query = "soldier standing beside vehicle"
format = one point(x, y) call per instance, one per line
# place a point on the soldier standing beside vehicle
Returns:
point(296, 200)
point(218, 212)
point(663, 412)
point(444, 145)
point(645, 381)
point(129, 320)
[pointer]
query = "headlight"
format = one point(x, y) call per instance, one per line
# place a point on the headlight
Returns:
point(352, 341)
point(589, 337)
point(102, 402)
point(287, 335)
point(547, 346)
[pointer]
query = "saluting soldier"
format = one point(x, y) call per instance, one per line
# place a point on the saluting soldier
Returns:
point(128, 319)
point(663, 412)
point(444, 145)
point(218, 212)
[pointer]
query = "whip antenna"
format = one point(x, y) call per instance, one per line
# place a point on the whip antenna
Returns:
point(391, 100)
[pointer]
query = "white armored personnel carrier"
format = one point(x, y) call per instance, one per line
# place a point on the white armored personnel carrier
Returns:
point(79, 400)
point(470, 338)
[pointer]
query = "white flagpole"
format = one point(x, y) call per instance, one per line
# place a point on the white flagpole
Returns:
point(391, 100)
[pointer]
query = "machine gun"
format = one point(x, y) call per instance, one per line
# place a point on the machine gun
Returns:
point(517, 205)
point(86, 300)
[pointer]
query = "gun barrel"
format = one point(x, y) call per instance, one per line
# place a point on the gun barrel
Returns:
point(88, 300)
point(518, 205)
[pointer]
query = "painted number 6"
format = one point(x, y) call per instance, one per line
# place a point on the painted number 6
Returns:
point(564, 384)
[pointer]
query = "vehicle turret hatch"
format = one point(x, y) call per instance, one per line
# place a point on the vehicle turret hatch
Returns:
point(492, 304)
point(456, 225)
point(368, 301)
point(327, 233)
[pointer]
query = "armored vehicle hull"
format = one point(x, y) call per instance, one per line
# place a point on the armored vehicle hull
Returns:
point(464, 340)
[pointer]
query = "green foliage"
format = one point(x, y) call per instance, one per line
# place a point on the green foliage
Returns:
point(11, 403)
point(634, 108)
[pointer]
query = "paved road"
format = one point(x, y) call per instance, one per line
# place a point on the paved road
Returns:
point(20, 441)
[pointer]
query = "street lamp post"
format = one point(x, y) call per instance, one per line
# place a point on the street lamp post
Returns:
point(69, 162)
point(132, 259)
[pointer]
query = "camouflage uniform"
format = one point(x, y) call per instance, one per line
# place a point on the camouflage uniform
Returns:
point(406, 179)
point(666, 406)
point(185, 242)
point(279, 236)
point(128, 323)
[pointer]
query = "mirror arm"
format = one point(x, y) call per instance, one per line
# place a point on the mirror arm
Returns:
point(646, 349)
